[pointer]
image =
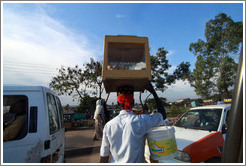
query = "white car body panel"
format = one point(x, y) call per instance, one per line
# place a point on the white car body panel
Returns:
point(185, 137)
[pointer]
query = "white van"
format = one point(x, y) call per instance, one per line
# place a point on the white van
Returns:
point(33, 126)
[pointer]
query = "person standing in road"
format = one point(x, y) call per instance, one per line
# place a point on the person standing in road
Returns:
point(124, 136)
point(99, 120)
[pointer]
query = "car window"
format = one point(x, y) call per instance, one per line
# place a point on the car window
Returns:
point(60, 111)
point(15, 117)
point(53, 114)
point(202, 119)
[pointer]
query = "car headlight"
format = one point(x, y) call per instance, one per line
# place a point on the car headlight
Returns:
point(183, 156)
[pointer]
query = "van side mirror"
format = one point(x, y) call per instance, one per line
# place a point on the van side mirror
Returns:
point(224, 128)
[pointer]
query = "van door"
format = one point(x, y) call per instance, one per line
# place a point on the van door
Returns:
point(62, 131)
point(55, 129)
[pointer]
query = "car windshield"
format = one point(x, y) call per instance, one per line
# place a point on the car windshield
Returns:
point(201, 119)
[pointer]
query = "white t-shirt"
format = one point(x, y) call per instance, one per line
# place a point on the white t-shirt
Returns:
point(124, 136)
point(99, 110)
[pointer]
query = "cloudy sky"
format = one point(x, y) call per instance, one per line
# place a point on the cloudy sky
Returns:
point(39, 38)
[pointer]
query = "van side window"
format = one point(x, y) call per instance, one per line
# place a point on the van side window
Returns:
point(60, 112)
point(15, 120)
point(53, 114)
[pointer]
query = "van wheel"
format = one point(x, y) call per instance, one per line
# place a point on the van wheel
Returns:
point(213, 160)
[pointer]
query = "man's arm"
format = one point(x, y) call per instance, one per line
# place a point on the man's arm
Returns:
point(105, 147)
point(159, 103)
point(104, 159)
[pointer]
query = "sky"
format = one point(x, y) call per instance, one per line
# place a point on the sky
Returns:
point(39, 38)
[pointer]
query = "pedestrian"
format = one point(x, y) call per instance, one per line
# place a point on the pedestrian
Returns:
point(99, 120)
point(124, 136)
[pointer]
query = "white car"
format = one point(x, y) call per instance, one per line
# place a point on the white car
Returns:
point(200, 134)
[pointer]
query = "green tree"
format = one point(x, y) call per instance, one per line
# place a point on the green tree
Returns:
point(161, 78)
point(93, 73)
point(176, 110)
point(159, 70)
point(152, 104)
point(73, 81)
point(87, 104)
point(215, 69)
point(69, 81)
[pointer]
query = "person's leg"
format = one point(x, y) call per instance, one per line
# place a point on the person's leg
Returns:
point(96, 131)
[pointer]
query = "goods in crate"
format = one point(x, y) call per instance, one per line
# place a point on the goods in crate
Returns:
point(126, 62)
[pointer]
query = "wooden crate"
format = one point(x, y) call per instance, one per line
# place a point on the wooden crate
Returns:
point(126, 62)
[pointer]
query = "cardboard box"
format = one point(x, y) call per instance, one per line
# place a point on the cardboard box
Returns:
point(126, 62)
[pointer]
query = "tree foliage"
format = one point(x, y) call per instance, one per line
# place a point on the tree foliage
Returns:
point(93, 73)
point(87, 104)
point(159, 70)
point(69, 81)
point(151, 103)
point(215, 69)
point(74, 81)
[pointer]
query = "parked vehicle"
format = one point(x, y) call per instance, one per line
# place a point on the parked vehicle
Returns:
point(33, 129)
point(200, 134)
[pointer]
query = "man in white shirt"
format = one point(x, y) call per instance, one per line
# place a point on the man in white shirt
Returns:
point(124, 136)
point(99, 120)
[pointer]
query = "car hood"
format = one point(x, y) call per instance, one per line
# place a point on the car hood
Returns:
point(185, 137)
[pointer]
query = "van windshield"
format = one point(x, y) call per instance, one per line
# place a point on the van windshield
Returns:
point(201, 119)
point(15, 111)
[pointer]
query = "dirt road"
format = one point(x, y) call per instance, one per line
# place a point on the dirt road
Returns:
point(80, 148)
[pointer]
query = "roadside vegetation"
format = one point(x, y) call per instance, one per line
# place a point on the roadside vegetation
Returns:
point(212, 77)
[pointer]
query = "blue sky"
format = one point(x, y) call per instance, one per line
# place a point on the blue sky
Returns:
point(40, 37)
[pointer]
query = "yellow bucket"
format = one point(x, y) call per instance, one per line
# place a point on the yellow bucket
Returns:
point(162, 142)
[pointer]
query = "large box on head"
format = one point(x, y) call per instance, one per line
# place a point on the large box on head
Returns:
point(126, 62)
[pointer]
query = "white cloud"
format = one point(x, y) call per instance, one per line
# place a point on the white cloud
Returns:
point(120, 16)
point(180, 90)
point(34, 38)
point(38, 38)
point(172, 69)
point(171, 52)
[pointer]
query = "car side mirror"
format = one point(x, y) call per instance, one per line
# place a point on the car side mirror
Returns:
point(224, 128)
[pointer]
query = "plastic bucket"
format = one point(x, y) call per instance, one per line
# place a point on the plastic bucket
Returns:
point(162, 142)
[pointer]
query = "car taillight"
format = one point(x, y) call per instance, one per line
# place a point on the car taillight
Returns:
point(46, 159)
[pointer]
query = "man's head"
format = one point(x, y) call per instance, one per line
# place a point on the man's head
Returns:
point(126, 100)
point(99, 102)
point(125, 97)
